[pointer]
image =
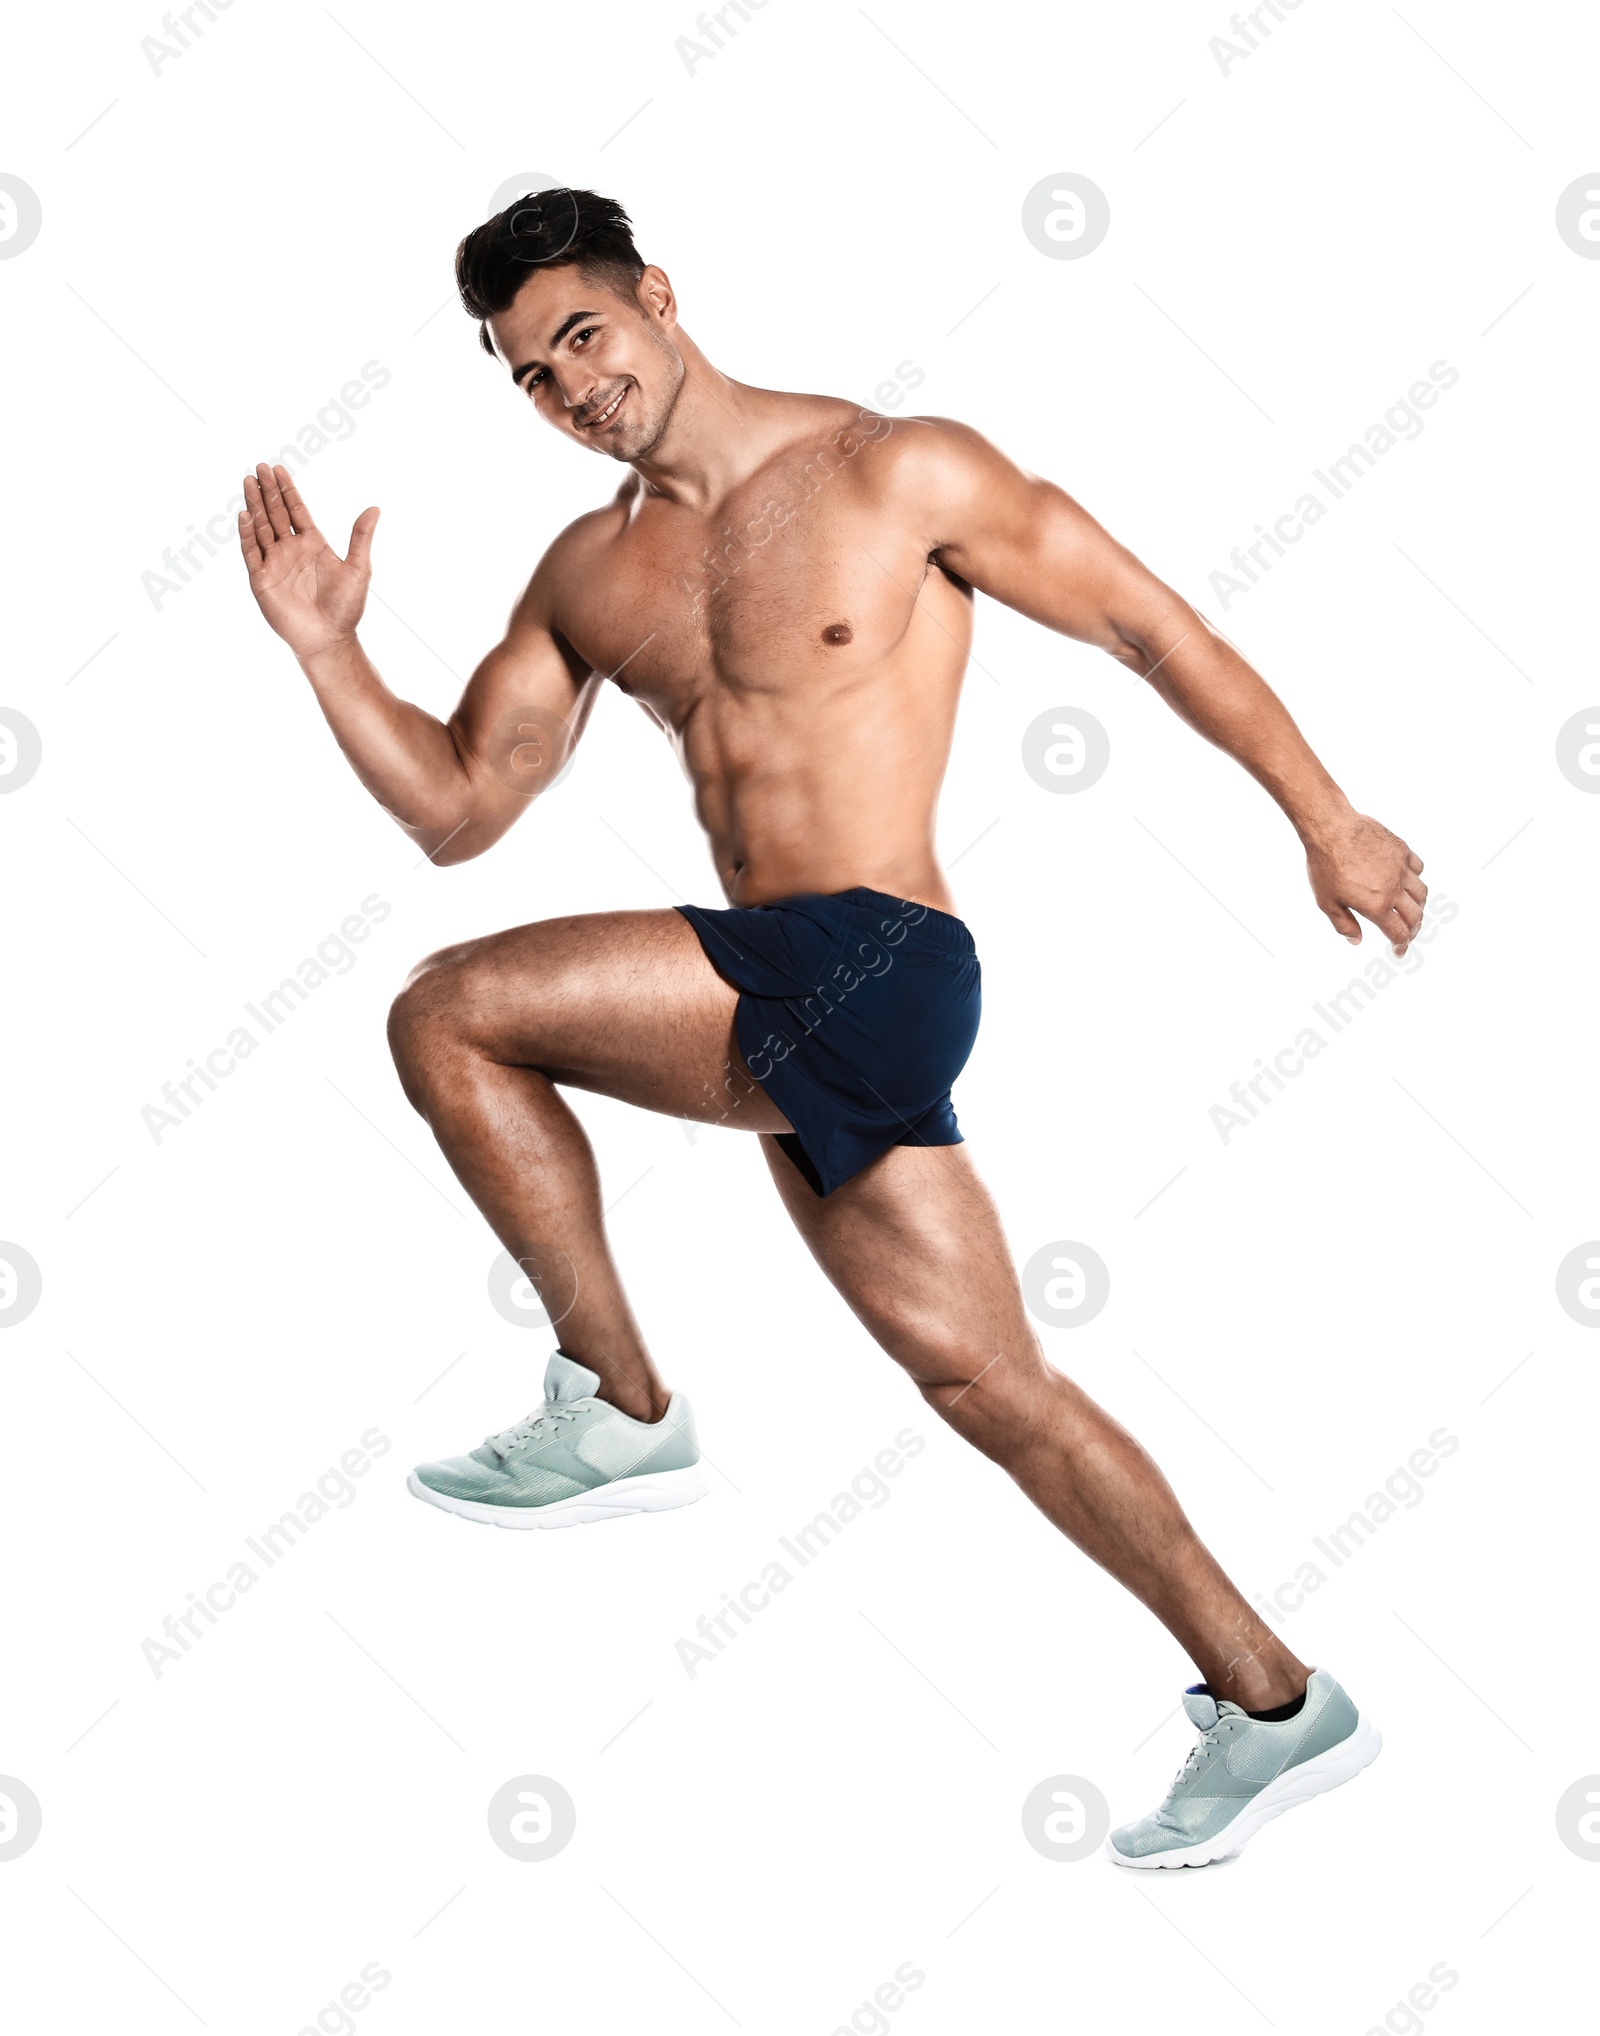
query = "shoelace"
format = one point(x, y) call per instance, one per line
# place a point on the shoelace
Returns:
point(531, 1428)
point(1208, 1741)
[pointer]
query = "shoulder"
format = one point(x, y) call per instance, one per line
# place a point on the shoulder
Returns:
point(954, 484)
point(589, 535)
point(575, 553)
point(944, 455)
point(931, 460)
point(888, 456)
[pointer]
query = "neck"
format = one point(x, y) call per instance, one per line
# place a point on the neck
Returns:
point(719, 432)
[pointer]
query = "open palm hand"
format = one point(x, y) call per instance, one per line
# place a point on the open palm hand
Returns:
point(310, 596)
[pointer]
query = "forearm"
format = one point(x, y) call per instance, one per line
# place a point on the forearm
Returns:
point(406, 757)
point(1205, 681)
point(1354, 862)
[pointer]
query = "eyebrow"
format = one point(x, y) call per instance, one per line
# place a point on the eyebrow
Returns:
point(556, 338)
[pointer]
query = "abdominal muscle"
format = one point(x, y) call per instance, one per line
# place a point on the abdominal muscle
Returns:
point(821, 795)
point(812, 703)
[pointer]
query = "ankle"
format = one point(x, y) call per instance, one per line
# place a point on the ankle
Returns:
point(630, 1384)
point(1272, 1692)
point(637, 1404)
point(1262, 1686)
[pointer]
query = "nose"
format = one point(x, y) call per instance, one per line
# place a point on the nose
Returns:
point(576, 386)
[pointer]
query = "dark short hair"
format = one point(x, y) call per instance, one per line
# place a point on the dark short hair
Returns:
point(545, 229)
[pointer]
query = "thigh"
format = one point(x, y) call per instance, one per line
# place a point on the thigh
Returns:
point(915, 1246)
point(622, 1003)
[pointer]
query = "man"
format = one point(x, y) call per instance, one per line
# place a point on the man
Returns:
point(785, 585)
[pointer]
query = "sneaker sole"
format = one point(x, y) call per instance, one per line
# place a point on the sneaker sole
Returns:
point(655, 1492)
point(1311, 1778)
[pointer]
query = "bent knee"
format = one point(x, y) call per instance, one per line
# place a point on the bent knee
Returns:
point(969, 1383)
point(439, 1005)
point(941, 1360)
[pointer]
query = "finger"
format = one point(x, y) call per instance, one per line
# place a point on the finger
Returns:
point(1410, 912)
point(272, 495)
point(299, 515)
point(360, 553)
point(1413, 862)
point(1394, 929)
point(247, 540)
point(1344, 921)
point(256, 504)
point(1414, 887)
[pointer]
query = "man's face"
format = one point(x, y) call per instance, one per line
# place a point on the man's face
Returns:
point(601, 367)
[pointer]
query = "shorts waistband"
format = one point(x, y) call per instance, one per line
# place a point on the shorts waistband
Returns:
point(939, 929)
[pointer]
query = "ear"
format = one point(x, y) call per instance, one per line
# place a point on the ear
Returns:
point(656, 297)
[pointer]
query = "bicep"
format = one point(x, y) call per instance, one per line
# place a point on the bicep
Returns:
point(1026, 542)
point(519, 719)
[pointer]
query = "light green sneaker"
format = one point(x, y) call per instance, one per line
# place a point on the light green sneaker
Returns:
point(1245, 1771)
point(573, 1460)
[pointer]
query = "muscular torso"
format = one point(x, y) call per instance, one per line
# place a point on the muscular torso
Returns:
point(802, 650)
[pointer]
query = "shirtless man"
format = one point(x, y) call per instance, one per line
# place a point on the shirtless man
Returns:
point(785, 585)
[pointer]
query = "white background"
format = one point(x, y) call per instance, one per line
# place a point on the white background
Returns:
point(226, 1311)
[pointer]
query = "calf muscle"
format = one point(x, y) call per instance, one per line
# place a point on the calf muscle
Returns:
point(914, 1245)
point(624, 1004)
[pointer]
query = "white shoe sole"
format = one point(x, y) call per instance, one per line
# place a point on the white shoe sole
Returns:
point(1311, 1778)
point(655, 1492)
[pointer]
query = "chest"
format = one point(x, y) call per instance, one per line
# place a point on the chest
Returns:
point(804, 577)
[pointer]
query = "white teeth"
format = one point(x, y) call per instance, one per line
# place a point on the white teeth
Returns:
point(610, 407)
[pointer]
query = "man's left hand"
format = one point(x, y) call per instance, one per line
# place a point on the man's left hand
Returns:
point(1359, 866)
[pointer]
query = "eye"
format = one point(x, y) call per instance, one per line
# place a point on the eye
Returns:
point(583, 333)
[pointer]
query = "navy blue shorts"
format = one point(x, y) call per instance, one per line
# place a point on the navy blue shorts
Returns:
point(856, 1013)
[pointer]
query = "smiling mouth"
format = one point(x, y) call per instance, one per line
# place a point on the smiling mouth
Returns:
point(605, 416)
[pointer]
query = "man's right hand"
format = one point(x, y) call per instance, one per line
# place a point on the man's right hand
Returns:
point(455, 786)
point(311, 596)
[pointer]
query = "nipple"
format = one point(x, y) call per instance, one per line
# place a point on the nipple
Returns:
point(837, 633)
